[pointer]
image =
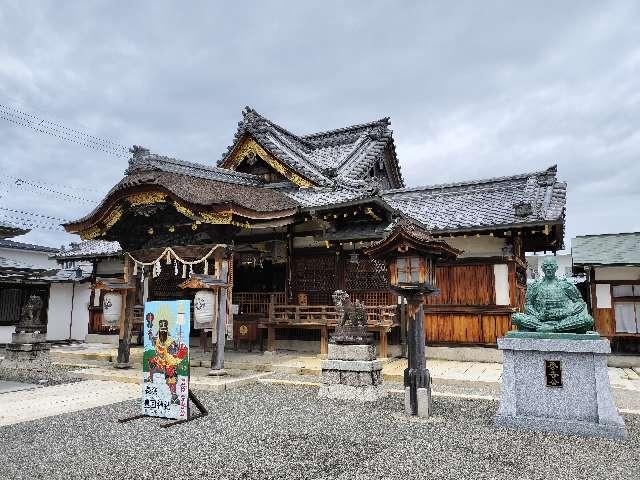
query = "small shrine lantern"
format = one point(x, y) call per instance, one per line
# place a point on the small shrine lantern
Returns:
point(411, 254)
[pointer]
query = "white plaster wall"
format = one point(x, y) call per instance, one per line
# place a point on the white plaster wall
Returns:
point(5, 333)
point(36, 259)
point(501, 276)
point(80, 326)
point(617, 273)
point(59, 313)
point(482, 246)
point(565, 264)
point(603, 295)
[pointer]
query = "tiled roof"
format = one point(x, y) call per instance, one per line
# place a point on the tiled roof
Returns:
point(67, 275)
point(318, 197)
point(195, 184)
point(90, 249)
point(144, 161)
point(533, 198)
point(607, 249)
point(345, 154)
point(10, 229)
point(25, 246)
point(12, 263)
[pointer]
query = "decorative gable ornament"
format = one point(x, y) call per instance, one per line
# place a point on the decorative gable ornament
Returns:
point(523, 209)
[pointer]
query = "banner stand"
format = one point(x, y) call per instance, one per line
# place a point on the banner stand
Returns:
point(203, 412)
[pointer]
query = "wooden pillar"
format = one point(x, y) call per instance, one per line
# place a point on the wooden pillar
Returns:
point(288, 293)
point(324, 340)
point(126, 319)
point(271, 339)
point(382, 343)
point(126, 325)
point(403, 326)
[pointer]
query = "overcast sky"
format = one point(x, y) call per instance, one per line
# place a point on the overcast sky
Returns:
point(473, 89)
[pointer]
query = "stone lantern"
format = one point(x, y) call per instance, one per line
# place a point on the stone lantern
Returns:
point(410, 254)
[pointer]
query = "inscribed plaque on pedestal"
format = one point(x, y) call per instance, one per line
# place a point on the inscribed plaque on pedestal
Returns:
point(165, 365)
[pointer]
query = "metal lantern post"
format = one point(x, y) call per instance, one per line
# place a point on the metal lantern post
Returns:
point(411, 254)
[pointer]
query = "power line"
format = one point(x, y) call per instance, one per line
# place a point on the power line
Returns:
point(24, 183)
point(69, 187)
point(63, 220)
point(40, 120)
point(50, 128)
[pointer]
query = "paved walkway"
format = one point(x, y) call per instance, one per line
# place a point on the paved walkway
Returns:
point(442, 371)
point(22, 406)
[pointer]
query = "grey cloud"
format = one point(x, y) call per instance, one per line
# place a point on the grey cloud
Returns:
point(474, 89)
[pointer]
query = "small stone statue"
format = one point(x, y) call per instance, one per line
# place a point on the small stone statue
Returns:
point(30, 317)
point(352, 320)
point(553, 305)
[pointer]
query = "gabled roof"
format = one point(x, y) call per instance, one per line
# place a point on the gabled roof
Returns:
point(606, 249)
point(90, 249)
point(144, 161)
point(9, 229)
point(528, 199)
point(25, 246)
point(344, 155)
point(154, 178)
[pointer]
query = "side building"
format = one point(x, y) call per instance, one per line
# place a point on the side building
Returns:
point(611, 263)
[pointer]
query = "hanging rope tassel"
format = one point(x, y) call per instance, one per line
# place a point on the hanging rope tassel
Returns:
point(206, 266)
point(184, 270)
point(135, 268)
point(168, 257)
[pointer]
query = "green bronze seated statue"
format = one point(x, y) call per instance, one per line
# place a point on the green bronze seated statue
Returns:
point(553, 305)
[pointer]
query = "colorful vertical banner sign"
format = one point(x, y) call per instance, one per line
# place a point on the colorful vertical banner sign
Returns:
point(165, 365)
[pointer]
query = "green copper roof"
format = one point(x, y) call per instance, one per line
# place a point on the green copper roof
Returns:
point(608, 249)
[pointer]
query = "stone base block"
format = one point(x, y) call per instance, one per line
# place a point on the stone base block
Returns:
point(351, 352)
point(353, 378)
point(425, 404)
point(558, 385)
point(25, 357)
point(29, 337)
point(367, 393)
point(351, 365)
point(567, 427)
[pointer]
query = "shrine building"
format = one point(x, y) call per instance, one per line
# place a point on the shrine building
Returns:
point(295, 211)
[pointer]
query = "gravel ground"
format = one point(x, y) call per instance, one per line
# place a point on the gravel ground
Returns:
point(270, 431)
point(51, 375)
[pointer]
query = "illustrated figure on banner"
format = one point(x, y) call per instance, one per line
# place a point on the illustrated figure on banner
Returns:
point(166, 359)
point(169, 354)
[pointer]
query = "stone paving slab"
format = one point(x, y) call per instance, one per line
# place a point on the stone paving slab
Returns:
point(8, 386)
point(442, 371)
point(26, 405)
point(199, 378)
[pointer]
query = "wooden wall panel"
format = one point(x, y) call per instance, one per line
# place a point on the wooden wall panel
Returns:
point(464, 285)
point(465, 327)
point(605, 321)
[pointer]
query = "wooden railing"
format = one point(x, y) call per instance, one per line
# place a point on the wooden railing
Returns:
point(374, 297)
point(251, 303)
point(380, 315)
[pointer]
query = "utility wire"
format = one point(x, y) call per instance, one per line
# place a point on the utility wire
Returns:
point(40, 182)
point(22, 212)
point(63, 133)
point(23, 183)
point(40, 120)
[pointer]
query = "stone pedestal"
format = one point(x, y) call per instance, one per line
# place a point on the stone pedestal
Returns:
point(558, 383)
point(351, 372)
point(27, 351)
